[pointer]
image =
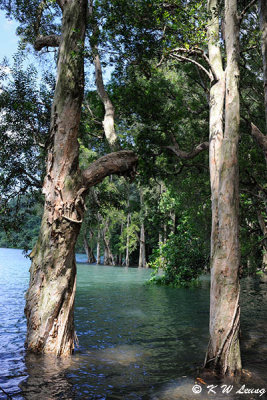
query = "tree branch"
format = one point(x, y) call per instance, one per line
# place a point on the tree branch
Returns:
point(120, 163)
point(200, 66)
point(186, 155)
point(198, 52)
point(260, 138)
point(60, 3)
point(109, 118)
point(245, 10)
point(47, 41)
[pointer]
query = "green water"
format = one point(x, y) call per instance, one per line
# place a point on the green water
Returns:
point(135, 341)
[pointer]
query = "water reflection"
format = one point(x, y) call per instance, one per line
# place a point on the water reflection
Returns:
point(47, 378)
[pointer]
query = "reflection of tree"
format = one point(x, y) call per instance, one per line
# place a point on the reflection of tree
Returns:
point(46, 378)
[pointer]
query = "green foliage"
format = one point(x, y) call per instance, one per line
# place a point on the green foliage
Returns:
point(181, 260)
point(24, 232)
point(24, 127)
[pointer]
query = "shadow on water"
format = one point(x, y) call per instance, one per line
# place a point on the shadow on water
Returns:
point(136, 341)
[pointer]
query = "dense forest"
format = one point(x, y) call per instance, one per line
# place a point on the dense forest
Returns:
point(163, 165)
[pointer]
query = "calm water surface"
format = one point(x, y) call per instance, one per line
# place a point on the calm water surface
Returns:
point(135, 341)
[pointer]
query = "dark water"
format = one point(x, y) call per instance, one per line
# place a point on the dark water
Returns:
point(135, 341)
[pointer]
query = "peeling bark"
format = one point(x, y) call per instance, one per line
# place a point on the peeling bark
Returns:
point(51, 293)
point(223, 354)
point(50, 297)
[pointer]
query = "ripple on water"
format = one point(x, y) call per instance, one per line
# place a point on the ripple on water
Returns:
point(135, 340)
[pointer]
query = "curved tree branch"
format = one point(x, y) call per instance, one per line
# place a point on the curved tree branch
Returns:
point(109, 118)
point(47, 41)
point(120, 163)
point(186, 155)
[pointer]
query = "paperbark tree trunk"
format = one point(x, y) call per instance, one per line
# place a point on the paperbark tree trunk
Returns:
point(127, 254)
point(50, 297)
point(108, 256)
point(98, 244)
point(142, 239)
point(142, 247)
point(88, 250)
point(223, 353)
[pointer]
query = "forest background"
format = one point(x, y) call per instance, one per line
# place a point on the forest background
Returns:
point(161, 106)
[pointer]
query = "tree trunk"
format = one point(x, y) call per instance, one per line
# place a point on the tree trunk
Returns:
point(127, 255)
point(263, 227)
point(173, 219)
point(223, 353)
point(108, 256)
point(142, 249)
point(263, 27)
point(142, 240)
point(260, 138)
point(98, 256)
point(120, 260)
point(50, 297)
point(98, 244)
point(88, 250)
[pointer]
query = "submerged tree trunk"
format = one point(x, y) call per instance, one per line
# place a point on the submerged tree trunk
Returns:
point(142, 240)
point(108, 256)
point(98, 244)
point(223, 353)
point(142, 247)
point(98, 256)
point(88, 249)
point(127, 254)
point(50, 298)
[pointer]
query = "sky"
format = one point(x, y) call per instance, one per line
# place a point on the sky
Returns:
point(9, 45)
point(9, 40)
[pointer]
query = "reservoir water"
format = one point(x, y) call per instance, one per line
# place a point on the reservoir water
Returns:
point(135, 341)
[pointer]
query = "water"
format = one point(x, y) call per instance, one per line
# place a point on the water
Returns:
point(135, 341)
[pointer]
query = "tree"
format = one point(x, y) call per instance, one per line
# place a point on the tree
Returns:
point(223, 352)
point(50, 297)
